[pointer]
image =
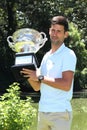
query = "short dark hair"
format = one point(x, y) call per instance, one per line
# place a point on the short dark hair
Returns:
point(61, 20)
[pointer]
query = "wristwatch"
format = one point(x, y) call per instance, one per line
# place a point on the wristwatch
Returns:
point(40, 78)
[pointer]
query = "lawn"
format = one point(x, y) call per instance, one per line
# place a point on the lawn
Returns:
point(79, 114)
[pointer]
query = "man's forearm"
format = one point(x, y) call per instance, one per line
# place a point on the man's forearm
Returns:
point(35, 84)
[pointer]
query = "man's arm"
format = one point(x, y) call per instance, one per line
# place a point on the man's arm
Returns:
point(35, 84)
point(63, 83)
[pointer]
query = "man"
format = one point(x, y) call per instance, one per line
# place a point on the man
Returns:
point(55, 80)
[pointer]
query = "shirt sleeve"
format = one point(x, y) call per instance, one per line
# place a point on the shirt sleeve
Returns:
point(69, 61)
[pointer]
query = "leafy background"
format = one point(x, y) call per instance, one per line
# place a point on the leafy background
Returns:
point(16, 14)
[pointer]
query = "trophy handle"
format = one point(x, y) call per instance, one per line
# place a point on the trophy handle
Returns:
point(43, 40)
point(11, 44)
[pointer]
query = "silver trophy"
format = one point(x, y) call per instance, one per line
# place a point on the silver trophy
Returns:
point(25, 43)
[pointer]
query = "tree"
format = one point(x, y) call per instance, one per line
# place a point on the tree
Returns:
point(16, 14)
point(78, 46)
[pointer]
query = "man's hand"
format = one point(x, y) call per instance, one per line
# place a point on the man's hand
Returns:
point(31, 74)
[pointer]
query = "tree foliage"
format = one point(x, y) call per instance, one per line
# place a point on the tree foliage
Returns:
point(76, 43)
point(16, 14)
point(15, 113)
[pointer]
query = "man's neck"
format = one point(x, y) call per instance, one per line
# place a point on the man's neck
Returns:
point(55, 47)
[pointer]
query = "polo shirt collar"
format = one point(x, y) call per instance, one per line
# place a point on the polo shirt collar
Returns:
point(59, 49)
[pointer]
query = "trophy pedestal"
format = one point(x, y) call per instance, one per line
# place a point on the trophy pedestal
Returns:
point(23, 60)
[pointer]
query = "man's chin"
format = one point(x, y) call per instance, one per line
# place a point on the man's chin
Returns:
point(55, 42)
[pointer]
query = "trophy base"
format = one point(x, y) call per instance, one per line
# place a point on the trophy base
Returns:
point(23, 60)
point(17, 68)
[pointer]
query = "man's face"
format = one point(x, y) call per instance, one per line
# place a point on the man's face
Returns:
point(57, 34)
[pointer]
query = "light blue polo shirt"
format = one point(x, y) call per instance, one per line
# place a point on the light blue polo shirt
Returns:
point(54, 99)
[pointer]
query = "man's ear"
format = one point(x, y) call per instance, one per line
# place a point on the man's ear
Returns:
point(66, 34)
point(49, 31)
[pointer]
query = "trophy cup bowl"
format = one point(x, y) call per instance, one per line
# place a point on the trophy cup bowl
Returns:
point(25, 43)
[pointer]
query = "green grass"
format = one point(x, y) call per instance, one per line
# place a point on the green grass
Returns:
point(79, 114)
